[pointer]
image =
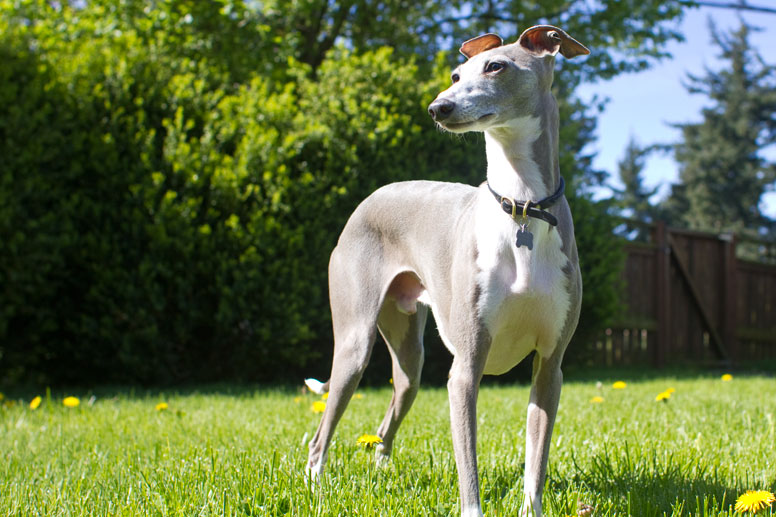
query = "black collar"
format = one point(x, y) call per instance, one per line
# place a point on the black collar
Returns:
point(519, 209)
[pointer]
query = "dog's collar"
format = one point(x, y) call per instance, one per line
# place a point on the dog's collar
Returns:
point(535, 209)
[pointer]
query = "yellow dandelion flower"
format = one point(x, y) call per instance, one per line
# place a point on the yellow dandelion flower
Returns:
point(754, 501)
point(670, 391)
point(663, 397)
point(727, 377)
point(161, 406)
point(71, 402)
point(319, 406)
point(358, 396)
point(597, 400)
point(369, 440)
point(297, 399)
point(325, 396)
point(619, 385)
point(35, 403)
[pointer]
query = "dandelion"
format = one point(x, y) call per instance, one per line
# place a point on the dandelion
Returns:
point(596, 400)
point(71, 402)
point(297, 399)
point(727, 377)
point(319, 406)
point(358, 396)
point(619, 385)
point(663, 397)
point(369, 440)
point(671, 391)
point(325, 396)
point(35, 403)
point(161, 406)
point(754, 501)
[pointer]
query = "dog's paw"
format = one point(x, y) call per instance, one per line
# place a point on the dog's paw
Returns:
point(313, 473)
point(382, 455)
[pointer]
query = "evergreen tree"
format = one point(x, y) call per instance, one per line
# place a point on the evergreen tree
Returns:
point(633, 198)
point(723, 172)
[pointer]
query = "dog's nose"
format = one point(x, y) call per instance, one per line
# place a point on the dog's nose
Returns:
point(440, 109)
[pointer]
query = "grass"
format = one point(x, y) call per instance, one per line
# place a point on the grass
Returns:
point(241, 452)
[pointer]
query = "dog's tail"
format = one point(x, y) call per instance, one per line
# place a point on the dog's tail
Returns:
point(317, 386)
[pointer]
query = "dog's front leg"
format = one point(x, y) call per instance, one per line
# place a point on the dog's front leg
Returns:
point(463, 387)
point(542, 408)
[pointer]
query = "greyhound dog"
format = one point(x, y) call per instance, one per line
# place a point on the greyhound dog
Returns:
point(497, 264)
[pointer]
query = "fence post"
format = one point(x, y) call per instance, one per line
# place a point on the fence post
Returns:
point(730, 290)
point(663, 281)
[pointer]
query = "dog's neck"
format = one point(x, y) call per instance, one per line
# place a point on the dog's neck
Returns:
point(522, 158)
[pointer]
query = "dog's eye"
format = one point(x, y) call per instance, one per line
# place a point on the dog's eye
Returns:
point(456, 78)
point(493, 66)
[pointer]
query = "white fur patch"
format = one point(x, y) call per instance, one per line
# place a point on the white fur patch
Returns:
point(509, 149)
point(471, 511)
point(314, 472)
point(424, 298)
point(525, 292)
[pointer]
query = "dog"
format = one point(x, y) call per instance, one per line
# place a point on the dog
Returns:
point(497, 264)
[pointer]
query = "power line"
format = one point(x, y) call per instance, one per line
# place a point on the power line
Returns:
point(743, 6)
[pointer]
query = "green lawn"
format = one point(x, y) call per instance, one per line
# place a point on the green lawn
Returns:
point(238, 451)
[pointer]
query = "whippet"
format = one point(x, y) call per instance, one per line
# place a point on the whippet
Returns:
point(497, 264)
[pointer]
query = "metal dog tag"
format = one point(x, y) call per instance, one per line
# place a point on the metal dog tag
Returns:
point(524, 237)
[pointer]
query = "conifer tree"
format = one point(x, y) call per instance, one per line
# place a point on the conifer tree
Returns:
point(633, 199)
point(723, 171)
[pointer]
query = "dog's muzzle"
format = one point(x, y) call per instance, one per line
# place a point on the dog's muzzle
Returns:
point(440, 109)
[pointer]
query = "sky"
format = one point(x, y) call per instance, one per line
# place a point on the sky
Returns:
point(643, 105)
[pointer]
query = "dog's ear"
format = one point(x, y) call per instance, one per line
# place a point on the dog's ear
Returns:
point(480, 44)
point(546, 39)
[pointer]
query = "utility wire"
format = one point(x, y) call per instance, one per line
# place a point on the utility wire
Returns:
point(743, 6)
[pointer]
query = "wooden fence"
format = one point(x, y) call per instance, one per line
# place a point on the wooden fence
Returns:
point(689, 299)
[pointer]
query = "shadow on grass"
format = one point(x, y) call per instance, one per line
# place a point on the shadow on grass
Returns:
point(621, 482)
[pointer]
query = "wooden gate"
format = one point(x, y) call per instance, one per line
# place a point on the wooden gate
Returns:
point(689, 299)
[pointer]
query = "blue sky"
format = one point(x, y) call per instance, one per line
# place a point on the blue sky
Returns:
point(643, 105)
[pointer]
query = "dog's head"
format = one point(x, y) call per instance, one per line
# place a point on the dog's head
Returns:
point(501, 83)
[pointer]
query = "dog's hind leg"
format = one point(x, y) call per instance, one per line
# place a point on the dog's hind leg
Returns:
point(403, 333)
point(351, 355)
point(354, 320)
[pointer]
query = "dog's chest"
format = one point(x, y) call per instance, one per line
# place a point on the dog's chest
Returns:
point(524, 296)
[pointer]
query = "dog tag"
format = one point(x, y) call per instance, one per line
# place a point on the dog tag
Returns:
point(524, 237)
